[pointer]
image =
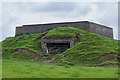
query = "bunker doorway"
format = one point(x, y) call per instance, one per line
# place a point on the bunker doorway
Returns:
point(56, 48)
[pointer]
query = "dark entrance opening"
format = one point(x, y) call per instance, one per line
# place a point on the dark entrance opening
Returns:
point(57, 47)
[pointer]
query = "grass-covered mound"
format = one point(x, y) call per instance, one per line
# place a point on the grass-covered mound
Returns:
point(63, 32)
point(93, 50)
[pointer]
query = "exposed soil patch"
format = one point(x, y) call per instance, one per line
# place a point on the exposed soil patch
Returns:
point(25, 50)
point(48, 61)
point(45, 56)
point(110, 56)
point(0, 51)
point(41, 36)
point(105, 64)
point(79, 37)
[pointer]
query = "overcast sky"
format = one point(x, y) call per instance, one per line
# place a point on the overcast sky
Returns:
point(19, 13)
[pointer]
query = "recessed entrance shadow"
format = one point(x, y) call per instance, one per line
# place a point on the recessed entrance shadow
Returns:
point(59, 47)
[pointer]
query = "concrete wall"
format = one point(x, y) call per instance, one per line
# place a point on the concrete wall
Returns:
point(19, 30)
point(102, 30)
point(85, 25)
point(43, 27)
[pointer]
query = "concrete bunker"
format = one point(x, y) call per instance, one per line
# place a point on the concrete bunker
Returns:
point(85, 25)
point(56, 46)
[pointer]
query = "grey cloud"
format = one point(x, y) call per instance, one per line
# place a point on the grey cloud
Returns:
point(8, 27)
point(49, 7)
point(61, 9)
point(57, 7)
point(83, 11)
point(102, 5)
point(119, 20)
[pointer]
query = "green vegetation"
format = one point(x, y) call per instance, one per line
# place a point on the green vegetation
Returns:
point(24, 58)
point(93, 50)
point(62, 32)
point(24, 41)
point(27, 69)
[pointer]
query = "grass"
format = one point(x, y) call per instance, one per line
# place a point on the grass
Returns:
point(62, 32)
point(89, 51)
point(26, 69)
point(24, 41)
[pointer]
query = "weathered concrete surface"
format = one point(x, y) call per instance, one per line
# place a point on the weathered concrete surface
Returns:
point(85, 25)
point(45, 41)
point(102, 30)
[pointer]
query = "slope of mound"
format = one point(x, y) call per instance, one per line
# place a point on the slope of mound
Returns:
point(63, 32)
point(94, 49)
